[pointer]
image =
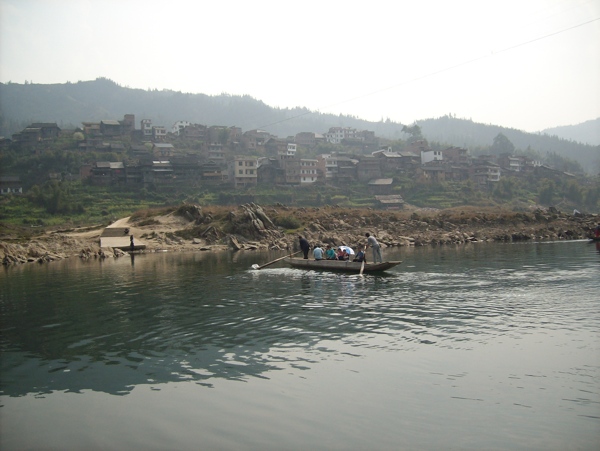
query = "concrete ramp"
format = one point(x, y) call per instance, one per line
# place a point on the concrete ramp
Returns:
point(118, 237)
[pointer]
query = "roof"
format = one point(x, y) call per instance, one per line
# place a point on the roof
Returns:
point(381, 181)
point(110, 164)
point(10, 179)
point(390, 199)
point(110, 122)
point(44, 125)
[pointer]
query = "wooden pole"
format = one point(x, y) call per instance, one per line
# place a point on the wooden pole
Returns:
point(276, 260)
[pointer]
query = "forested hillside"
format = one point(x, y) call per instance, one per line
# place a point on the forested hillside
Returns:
point(474, 136)
point(69, 104)
point(587, 132)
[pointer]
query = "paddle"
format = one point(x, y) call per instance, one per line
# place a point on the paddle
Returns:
point(274, 261)
point(362, 267)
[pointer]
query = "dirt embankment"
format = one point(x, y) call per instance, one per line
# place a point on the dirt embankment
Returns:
point(251, 227)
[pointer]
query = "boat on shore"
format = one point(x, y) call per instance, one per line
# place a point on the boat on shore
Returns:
point(339, 265)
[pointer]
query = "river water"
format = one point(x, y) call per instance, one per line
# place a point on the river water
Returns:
point(484, 346)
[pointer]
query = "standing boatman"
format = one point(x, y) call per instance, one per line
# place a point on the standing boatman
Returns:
point(372, 241)
point(304, 246)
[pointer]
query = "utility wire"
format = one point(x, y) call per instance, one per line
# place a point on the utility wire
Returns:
point(431, 74)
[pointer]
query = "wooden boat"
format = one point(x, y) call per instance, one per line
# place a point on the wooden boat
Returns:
point(339, 265)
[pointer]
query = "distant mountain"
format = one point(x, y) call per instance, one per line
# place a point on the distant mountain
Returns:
point(471, 135)
point(587, 132)
point(69, 104)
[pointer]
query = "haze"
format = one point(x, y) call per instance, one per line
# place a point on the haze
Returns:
point(528, 65)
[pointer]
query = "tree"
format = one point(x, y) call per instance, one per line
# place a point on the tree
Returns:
point(414, 131)
point(574, 192)
point(547, 189)
point(502, 145)
point(591, 198)
point(505, 188)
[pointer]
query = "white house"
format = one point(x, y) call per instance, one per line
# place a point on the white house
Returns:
point(178, 126)
point(431, 155)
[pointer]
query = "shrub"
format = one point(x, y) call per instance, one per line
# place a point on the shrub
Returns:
point(287, 222)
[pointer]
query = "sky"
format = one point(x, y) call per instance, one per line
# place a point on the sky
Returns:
point(524, 64)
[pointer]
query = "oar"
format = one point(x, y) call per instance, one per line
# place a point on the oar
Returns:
point(274, 261)
point(362, 267)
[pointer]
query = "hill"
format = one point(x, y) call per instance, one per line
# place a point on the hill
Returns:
point(587, 132)
point(471, 135)
point(69, 104)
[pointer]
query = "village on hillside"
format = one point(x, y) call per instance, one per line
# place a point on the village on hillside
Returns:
point(199, 155)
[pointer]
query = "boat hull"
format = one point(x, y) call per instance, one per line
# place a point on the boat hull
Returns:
point(338, 265)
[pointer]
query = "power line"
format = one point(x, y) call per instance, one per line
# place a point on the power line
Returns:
point(437, 72)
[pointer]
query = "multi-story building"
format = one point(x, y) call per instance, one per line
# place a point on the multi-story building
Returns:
point(456, 155)
point(309, 172)
point(36, 133)
point(159, 133)
point(368, 168)
point(146, 126)
point(335, 135)
point(91, 129)
point(486, 173)
point(254, 141)
point(243, 171)
point(308, 140)
point(162, 150)
point(179, 126)
point(110, 128)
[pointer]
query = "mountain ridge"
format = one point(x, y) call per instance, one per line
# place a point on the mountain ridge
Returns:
point(587, 132)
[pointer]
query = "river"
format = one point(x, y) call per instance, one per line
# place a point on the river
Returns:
point(473, 347)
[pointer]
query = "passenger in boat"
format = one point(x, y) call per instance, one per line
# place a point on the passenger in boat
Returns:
point(372, 241)
point(330, 253)
point(318, 252)
point(360, 256)
point(342, 254)
point(304, 246)
point(597, 231)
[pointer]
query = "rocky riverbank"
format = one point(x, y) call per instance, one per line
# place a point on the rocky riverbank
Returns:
point(251, 227)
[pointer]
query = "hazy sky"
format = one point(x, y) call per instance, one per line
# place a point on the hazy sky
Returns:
point(526, 64)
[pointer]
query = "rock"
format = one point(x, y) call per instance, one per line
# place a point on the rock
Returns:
point(235, 243)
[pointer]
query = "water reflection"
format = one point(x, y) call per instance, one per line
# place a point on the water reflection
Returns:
point(153, 319)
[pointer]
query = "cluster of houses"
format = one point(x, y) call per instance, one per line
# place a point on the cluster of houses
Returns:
point(226, 155)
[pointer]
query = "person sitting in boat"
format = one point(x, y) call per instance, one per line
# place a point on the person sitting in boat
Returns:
point(318, 252)
point(330, 253)
point(360, 255)
point(342, 254)
point(597, 231)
